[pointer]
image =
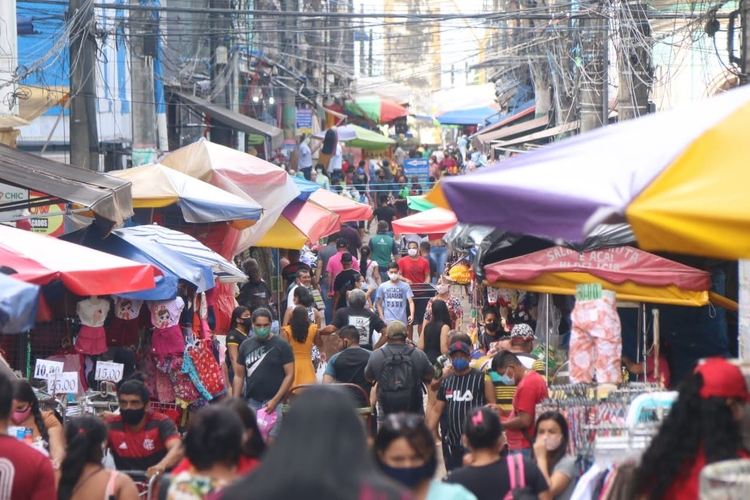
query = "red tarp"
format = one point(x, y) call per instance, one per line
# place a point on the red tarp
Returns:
point(41, 259)
point(348, 210)
point(435, 221)
point(615, 265)
point(311, 219)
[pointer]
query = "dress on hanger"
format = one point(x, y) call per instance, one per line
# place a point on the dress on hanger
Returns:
point(91, 338)
point(167, 339)
point(123, 331)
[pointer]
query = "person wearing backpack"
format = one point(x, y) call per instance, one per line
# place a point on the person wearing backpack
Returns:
point(462, 389)
point(399, 369)
point(490, 476)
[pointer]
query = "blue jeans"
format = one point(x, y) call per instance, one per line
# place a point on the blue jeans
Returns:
point(257, 405)
point(440, 254)
point(328, 302)
point(525, 452)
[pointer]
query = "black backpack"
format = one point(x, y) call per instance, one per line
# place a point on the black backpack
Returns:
point(396, 385)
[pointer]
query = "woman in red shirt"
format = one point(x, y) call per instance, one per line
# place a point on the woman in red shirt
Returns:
point(252, 446)
point(703, 427)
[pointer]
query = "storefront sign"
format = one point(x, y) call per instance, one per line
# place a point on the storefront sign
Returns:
point(109, 371)
point(612, 259)
point(304, 121)
point(63, 383)
point(419, 167)
point(44, 368)
point(51, 225)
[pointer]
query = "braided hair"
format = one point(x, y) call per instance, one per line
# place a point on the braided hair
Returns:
point(22, 391)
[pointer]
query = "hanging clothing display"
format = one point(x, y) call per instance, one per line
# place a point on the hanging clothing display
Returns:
point(91, 338)
point(596, 341)
point(123, 330)
point(167, 339)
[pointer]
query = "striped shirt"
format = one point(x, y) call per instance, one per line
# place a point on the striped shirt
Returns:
point(503, 393)
point(460, 393)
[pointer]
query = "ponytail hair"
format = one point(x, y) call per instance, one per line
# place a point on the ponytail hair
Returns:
point(84, 437)
point(482, 428)
point(22, 391)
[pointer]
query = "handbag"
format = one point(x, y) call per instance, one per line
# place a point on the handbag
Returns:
point(208, 370)
point(517, 476)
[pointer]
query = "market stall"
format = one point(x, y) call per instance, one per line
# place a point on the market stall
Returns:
point(355, 136)
point(433, 222)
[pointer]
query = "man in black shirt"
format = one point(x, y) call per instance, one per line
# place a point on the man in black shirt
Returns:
point(255, 293)
point(265, 367)
point(344, 281)
point(364, 320)
point(353, 241)
point(461, 390)
point(384, 212)
point(348, 365)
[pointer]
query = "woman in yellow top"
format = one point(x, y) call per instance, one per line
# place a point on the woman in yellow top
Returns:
point(44, 425)
point(301, 335)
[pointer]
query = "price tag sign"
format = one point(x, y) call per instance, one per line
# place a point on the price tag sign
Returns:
point(588, 292)
point(45, 368)
point(106, 370)
point(63, 383)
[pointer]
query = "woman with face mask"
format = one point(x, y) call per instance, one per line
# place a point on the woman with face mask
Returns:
point(405, 451)
point(455, 309)
point(47, 430)
point(706, 425)
point(487, 475)
point(550, 454)
point(493, 329)
point(242, 323)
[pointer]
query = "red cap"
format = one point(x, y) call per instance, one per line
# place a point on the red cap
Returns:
point(722, 379)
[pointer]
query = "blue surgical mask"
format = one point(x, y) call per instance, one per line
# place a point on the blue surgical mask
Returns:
point(460, 364)
point(411, 476)
point(505, 379)
point(262, 332)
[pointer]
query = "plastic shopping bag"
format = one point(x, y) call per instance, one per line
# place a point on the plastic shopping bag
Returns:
point(321, 371)
point(266, 421)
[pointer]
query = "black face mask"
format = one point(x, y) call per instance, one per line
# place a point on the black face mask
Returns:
point(133, 417)
point(491, 327)
point(247, 323)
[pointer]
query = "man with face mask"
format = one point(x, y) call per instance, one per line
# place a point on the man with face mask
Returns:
point(414, 270)
point(254, 293)
point(265, 367)
point(140, 439)
point(462, 389)
point(531, 389)
point(394, 296)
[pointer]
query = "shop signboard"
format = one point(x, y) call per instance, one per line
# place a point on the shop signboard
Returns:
point(304, 121)
point(419, 167)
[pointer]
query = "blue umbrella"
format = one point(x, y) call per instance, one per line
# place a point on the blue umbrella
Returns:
point(174, 266)
point(306, 188)
point(18, 305)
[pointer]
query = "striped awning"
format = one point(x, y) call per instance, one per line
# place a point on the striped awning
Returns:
point(224, 271)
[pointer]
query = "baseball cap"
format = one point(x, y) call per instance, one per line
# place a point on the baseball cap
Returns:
point(522, 331)
point(396, 330)
point(459, 347)
point(722, 378)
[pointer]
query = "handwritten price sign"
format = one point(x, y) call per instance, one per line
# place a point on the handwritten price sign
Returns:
point(45, 368)
point(108, 371)
point(63, 383)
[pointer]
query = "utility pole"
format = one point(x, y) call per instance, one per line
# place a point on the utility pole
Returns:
point(288, 97)
point(142, 53)
point(369, 57)
point(362, 38)
point(745, 41)
point(84, 136)
point(219, 46)
point(634, 62)
point(594, 76)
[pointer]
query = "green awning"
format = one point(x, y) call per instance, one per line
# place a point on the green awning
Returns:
point(418, 203)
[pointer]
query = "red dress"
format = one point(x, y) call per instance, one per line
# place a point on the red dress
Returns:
point(689, 488)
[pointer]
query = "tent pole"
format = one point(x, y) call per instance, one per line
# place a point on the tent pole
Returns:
point(644, 330)
point(655, 312)
point(548, 333)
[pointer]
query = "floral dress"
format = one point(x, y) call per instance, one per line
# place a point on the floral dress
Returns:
point(455, 310)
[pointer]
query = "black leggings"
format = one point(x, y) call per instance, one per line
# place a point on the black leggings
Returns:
point(453, 456)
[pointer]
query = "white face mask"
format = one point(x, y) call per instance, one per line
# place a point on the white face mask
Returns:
point(412, 252)
point(552, 443)
point(393, 276)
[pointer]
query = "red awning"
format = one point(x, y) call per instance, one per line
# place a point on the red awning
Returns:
point(435, 221)
point(311, 219)
point(615, 265)
point(348, 210)
point(41, 259)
